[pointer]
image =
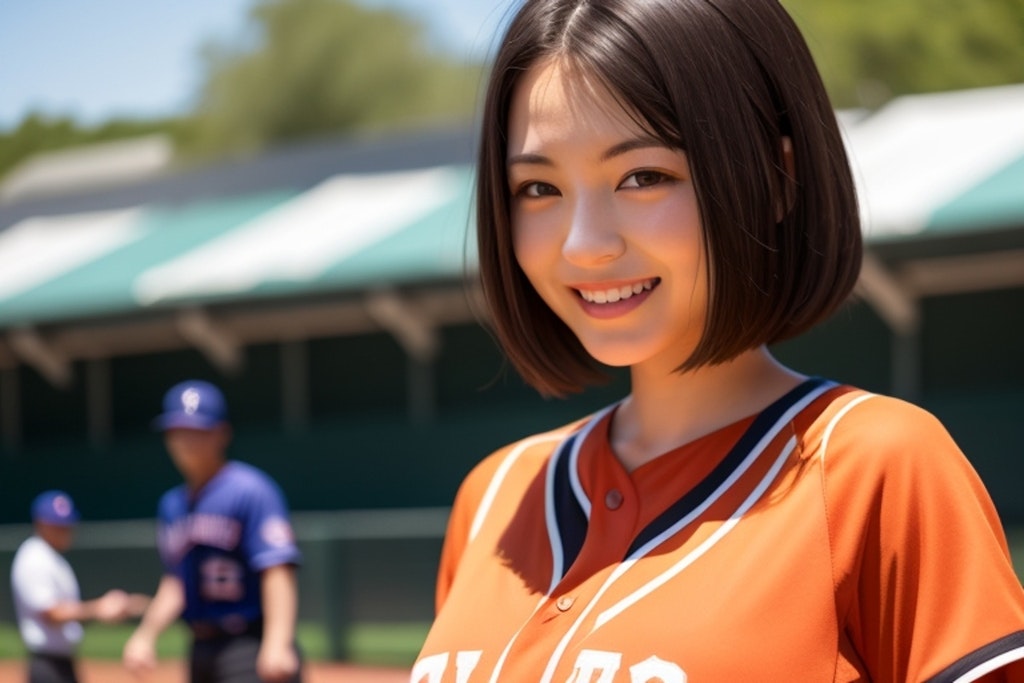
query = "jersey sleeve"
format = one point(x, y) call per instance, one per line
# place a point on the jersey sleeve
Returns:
point(33, 582)
point(926, 586)
point(456, 536)
point(476, 495)
point(268, 539)
point(169, 536)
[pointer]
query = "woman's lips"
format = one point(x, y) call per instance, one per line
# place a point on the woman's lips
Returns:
point(611, 300)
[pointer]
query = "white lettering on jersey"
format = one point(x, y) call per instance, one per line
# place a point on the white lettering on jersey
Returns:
point(465, 663)
point(199, 529)
point(653, 669)
point(215, 530)
point(592, 666)
point(590, 662)
point(431, 669)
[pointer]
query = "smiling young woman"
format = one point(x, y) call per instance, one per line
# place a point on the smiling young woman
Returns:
point(662, 186)
point(600, 208)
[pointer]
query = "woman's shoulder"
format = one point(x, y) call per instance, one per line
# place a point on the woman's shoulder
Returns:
point(880, 420)
point(875, 430)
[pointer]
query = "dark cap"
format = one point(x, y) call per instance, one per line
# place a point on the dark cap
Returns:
point(192, 404)
point(54, 507)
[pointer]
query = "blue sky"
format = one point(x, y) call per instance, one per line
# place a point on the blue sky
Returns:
point(98, 59)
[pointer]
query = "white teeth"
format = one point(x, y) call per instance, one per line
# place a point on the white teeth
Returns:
point(610, 296)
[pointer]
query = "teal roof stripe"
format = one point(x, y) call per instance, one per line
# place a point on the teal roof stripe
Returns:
point(435, 246)
point(432, 247)
point(996, 202)
point(103, 286)
point(331, 231)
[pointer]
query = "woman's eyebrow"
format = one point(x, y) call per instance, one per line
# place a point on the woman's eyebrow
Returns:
point(615, 150)
point(529, 158)
point(630, 145)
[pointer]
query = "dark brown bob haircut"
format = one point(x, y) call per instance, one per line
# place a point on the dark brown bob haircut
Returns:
point(725, 81)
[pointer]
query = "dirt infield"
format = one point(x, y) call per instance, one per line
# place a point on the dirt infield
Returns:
point(112, 672)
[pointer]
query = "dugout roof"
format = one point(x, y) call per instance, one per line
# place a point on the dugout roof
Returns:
point(941, 184)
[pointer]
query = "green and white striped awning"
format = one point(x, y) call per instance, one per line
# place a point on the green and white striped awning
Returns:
point(350, 232)
point(941, 163)
point(941, 184)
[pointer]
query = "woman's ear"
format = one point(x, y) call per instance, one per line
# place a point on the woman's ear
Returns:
point(789, 179)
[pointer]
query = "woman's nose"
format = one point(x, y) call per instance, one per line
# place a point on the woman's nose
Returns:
point(593, 236)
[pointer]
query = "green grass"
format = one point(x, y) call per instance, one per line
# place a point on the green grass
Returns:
point(380, 644)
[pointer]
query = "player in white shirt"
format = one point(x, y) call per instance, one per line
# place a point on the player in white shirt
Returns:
point(47, 599)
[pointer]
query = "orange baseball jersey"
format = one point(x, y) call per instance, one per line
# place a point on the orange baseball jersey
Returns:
point(836, 536)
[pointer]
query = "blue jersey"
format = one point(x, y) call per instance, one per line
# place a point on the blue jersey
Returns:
point(220, 539)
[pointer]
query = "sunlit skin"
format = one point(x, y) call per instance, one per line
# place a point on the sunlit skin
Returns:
point(599, 205)
point(112, 606)
point(59, 536)
point(198, 454)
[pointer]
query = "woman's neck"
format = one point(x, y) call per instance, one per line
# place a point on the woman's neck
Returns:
point(667, 409)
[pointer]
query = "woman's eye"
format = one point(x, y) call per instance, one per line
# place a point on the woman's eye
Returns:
point(537, 189)
point(644, 179)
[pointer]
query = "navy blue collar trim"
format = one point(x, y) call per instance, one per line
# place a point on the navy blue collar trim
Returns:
point(572, 519)
point(979, 657)
point(569, 514)
point(699, 493)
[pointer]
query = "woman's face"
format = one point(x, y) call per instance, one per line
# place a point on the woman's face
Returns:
point(605, 221)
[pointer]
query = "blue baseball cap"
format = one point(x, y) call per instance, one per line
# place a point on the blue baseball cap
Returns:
point(192, 404)
point(54, 507)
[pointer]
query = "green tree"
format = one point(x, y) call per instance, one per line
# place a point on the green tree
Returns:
point(310, 67)
point(871, 50)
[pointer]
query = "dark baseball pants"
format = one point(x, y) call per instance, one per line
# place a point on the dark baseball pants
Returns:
point(229, 659)
point(51, 669)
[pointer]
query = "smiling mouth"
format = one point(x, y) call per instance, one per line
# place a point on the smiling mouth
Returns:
point(616, 294)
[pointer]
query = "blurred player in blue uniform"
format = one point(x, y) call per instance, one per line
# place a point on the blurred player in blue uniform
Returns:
point(228, 552)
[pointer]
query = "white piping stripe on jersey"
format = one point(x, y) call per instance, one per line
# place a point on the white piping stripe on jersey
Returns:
point(751, 458)
point(574, 458)
point(504, 653)
point(980, 670)
point(983, 668)
point(554, 538)
point(755, 453)
point(556, 656)
point(690, 557)
point(835, 420)
point(574, 475)
point(710, 541)
point(991, 665)
point(499, 476)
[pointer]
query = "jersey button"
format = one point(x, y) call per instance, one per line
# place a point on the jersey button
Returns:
point(613, 499)
point(565, 603)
